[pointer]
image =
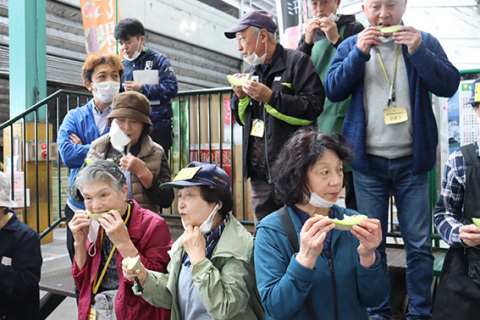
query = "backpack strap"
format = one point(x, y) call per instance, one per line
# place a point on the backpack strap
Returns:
point(287, 224)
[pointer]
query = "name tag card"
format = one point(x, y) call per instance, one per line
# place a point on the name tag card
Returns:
point(395, 115)
point(258, 127)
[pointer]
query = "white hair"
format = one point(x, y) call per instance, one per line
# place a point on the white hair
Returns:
point(256, 32)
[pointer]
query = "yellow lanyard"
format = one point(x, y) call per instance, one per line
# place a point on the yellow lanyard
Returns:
point(391, 95)
point(98, 281)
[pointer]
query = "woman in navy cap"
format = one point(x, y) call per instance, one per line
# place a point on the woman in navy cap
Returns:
point(211, 272)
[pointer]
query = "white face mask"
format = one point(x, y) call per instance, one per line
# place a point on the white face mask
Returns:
point(106, 90)
point(317, 201)
point(255, 60)
point(478, 120)
point(206, 225)
point(333, 16)
point(118, 138)
point(135, 54)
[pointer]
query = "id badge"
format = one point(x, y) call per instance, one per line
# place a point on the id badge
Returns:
point(92, 314)
point(395, 115)
point(258, 127)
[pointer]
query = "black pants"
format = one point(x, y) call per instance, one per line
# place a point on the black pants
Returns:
point(350, 199)
point(69, 214)
point(163, 136)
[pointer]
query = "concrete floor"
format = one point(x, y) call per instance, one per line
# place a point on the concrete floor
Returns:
point(55, 257)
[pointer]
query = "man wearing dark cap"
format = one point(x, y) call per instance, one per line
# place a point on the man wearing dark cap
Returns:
point(283, 93)
point(459, 289)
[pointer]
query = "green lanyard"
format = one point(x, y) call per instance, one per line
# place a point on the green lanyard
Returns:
point(391, 95)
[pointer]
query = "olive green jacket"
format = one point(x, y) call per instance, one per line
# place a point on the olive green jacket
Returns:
point(226, 283)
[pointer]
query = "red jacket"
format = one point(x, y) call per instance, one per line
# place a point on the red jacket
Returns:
point(150, 235)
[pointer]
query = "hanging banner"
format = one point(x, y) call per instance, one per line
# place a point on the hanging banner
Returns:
point(99, 20)
point(290, 15)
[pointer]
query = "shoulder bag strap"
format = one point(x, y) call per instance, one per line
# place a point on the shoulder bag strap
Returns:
point(287, 224)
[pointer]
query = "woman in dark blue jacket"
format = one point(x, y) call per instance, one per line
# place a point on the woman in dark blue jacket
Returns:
point(338, 271)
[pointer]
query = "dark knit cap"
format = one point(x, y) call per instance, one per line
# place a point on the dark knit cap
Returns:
point(132, 105)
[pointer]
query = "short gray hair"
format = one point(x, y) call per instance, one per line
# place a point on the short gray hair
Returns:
point(101, 171)
point(256, 32)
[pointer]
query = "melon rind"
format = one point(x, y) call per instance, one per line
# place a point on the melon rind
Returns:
point(348, 222)
point(389, 30)
point(133, 263)
point(476, 221)
point(237, 82)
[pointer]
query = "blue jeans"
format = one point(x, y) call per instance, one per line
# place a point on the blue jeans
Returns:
point(411, 194)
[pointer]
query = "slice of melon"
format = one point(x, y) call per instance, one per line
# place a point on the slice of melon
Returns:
point(476, 221)
point(389, 30)
point(237, 82)
point(133, 263)
point(348, 221)
point(95, 216)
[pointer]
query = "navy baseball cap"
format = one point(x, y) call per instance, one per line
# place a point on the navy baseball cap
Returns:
point(260, 19)
point(475, 98)
point(200, 174)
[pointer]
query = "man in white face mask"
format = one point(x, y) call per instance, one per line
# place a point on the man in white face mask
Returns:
point(82, 125)
point(138, 59)
point(283, 94)
point(458, 293)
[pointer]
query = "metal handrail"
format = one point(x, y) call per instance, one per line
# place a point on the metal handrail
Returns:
point(33, 112)
point(40, 104)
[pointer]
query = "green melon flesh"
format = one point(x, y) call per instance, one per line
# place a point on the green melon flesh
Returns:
point(133, 263)
point(237, 82)
point(95, 216)
point(476, 221)
point(348, 222)
point(389, 30)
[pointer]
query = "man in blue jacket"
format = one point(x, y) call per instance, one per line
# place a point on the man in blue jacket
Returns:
point(130, 34)
point(391, 126)
point(82, 125)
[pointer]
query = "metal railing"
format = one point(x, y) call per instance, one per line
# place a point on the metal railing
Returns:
point(38, 124)
point(204, 131)
point(200, 119)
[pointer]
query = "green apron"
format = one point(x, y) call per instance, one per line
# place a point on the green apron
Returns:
point(333, 115)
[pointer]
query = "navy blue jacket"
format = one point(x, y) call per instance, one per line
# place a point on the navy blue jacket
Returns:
point(160, 94)
point(428, 70)
point(19, 293)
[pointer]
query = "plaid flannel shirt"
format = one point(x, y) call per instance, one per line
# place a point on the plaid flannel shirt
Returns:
point(449, 209)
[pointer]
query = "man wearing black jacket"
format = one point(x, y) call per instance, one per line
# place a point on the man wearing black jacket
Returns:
point(323, 35)
point(283, 94)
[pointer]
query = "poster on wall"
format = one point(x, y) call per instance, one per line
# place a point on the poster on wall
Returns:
point(462, 122)
point(99, 20)
point(291, 15)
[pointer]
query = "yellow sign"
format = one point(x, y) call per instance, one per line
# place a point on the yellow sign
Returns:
point(99, 21)
point(395, 115)
point(186, 174)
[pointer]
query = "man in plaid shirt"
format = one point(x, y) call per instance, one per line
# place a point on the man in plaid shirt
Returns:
point(459, 289)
